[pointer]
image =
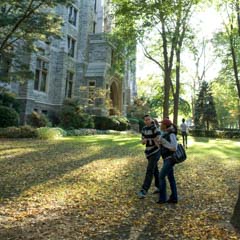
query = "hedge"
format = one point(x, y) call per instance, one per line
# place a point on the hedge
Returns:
point(215, 133)
point(8, 117)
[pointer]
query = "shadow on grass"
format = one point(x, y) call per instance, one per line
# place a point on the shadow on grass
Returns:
point(53, 159)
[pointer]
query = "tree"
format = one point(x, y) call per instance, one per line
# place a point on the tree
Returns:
point(161, 24)
point(235, 220)
point(228, 41)
point(21, 24)
point(205, 116)
point(226, 101)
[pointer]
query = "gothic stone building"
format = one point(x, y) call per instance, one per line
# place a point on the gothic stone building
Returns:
point(78, 66)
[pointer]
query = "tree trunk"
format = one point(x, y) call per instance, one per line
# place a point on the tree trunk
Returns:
point(177, 90)
point(167, 85)
point(235, 220)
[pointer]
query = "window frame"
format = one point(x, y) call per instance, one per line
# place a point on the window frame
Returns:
point(71, 46)
point(42, 70)
point(73, 15)
point(69, 80)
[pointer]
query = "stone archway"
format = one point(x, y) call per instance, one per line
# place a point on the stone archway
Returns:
point(116, 100)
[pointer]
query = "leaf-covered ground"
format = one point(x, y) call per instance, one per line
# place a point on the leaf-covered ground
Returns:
point(84, 188)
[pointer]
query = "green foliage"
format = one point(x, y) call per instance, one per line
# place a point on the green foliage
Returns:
point(37, 120)
point(215, 133)
point(113, 123)
point(139, 108)
point(226, 102)
point(8, 99)
point(8, 117)
point(21, 132)
point(50, 133)
point(17, 19)
point(205, 116)
point(72, 116)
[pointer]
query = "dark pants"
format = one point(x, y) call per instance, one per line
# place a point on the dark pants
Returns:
point(152, 170)
point(167, 170)
point(184, 137)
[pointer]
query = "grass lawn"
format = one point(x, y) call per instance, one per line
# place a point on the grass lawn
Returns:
point(84, 188)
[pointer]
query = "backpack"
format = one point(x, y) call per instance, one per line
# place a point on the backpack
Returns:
point(180, 155)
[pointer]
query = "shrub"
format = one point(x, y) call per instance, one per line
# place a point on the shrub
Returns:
point(8, 99)
point(82, 132)
point(54, 118)
point(10, 132)
point(15, 132)
point(113, 123)
point(8, 117)
point(215, 133)
point(50, 133)
point(73, 117)
point(28, 132)
point(123, 124)
point(37, 120)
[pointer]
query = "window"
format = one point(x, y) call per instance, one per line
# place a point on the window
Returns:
point(45, 112)
point(94, 27)
point(41, 73)
point(69, 84)
point(95, 6)
point(72, 15)
point(71, 46)
point(5, 65)
point(91, 92)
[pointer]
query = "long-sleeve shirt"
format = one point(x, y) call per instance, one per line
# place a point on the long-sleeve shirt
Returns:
point(151, 134)
point(172, 145)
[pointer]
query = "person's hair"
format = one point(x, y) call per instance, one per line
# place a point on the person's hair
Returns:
point(175, 128)
point(147, 115)
point(172, 129)
point(183, 120)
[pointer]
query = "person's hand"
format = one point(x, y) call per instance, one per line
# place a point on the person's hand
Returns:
point(144, 141)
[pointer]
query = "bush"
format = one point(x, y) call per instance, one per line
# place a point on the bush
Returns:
point(54, 118)
point(50, 133)
point(28, 132)
point(123, 124)
point(73, 117)
point(138, 121)
point(215, 133)
point(8, 99)
point(15, 132)
point(8, 117)
point(113, 123)
point(37, 120)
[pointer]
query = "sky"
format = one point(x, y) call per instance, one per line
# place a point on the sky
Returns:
point(207, 22)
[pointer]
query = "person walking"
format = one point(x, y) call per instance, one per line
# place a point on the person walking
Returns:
point(169, 143)
point(150, 138)
point(184, 129)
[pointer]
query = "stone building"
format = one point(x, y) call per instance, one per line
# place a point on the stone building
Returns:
point(79, 65)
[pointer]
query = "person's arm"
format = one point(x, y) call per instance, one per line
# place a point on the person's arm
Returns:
point(170, 145)
point(143, 140)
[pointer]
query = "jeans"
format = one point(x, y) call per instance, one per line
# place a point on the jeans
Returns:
point(184, 137)
point(167, 170)
point(152, 170)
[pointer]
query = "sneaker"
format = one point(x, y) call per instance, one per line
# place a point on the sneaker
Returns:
point(156, 191)
point(142, 194)
point(160, 202)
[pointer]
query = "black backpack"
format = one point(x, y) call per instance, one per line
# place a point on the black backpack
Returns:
point(180, 155)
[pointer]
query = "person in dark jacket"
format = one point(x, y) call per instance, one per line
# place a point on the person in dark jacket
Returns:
point(169, 143)
point(150, 137)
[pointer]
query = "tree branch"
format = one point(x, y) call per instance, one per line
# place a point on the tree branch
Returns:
point(27, 13)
